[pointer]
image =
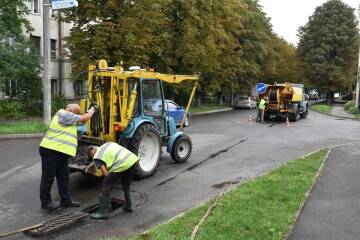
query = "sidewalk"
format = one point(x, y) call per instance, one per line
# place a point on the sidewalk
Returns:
point(332, 210)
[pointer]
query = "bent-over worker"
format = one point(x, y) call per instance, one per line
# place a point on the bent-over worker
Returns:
point(115, 162)
point(57, 146)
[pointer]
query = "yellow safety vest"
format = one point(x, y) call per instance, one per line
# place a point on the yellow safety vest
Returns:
point(116, 157)
point(58, 138)
point(262, 104)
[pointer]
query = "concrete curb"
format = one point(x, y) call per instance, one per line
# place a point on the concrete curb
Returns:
point(37, 135)
point(211, 111)
point(30, 135)
point(351, 118)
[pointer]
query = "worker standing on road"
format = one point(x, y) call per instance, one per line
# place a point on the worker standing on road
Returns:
point(57, 146)
point(115, 162)
point(261, 110)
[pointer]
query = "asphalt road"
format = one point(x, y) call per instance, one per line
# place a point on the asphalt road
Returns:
point(226, 148)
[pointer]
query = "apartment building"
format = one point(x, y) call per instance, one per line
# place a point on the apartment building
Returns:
point(60, 65)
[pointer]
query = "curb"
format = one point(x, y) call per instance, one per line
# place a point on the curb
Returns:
point(37, 135)
point(211, 111)
point(351, 118)
point(14, 136)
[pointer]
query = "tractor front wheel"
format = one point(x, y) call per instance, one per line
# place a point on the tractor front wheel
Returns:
point(181, 149)
point(146, 144)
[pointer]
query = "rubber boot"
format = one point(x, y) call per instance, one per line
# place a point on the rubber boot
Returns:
point(103, 212)
point(127, 206)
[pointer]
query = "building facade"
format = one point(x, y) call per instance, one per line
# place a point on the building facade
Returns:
point(60, 65)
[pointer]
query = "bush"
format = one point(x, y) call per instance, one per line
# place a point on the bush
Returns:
point(350, 107)
point(58, 102)
point(10, 109)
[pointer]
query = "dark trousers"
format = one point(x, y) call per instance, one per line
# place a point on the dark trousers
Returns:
point(54, 164)
point(109, 182)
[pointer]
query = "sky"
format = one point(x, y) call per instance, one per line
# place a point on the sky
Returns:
point(288, 15)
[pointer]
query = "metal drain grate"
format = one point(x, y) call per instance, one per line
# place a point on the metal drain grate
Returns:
point(57, 222)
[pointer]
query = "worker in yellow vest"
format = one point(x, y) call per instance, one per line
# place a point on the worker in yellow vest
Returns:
point(57, 146)
point(261, 110)
point(115, 162)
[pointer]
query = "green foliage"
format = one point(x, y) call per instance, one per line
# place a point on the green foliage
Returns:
point(23, 128)
point(17, 63)
point(322, 108)
point(328, 46)
point(350, 107)
point(11, 110)
point(233, 53)
point(58, 101)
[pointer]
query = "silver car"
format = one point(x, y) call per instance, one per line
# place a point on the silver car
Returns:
point(245, 102)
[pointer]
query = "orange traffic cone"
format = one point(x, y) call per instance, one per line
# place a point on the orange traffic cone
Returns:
point(249, 120)
point(287, 124)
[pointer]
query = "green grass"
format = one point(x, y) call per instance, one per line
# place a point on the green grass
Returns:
point(322, 108)
point(23, 128)
point(261, 209)
point(207, 108)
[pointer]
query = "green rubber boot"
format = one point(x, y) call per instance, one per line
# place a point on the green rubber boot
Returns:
point(103, 212)
point(127, 206)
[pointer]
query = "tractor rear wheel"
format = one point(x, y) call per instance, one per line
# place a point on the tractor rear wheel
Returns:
point(181, 149)
point(146, 144)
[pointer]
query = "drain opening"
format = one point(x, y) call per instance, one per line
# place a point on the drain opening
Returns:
point(114, 204)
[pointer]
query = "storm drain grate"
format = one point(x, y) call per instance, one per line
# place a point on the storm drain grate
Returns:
point(57, 222)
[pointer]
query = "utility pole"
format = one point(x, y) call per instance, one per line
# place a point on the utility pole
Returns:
point(47, 62)
point(357, 77)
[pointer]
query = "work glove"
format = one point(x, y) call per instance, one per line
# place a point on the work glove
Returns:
point(92, 110)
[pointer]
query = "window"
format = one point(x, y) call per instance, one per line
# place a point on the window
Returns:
point(54, 86)
point(78, 89)
point(53, 48)
point(152, 97)
point(34, 6)
point(37, 44)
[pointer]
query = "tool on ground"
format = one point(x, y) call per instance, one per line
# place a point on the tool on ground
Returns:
point(21, 230)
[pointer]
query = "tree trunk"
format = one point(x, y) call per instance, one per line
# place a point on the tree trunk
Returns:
point(197, 99)
point(329, 98)
point(220, 99)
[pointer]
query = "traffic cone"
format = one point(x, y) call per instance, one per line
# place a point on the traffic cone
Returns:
point(249, 120)
point(287, 124)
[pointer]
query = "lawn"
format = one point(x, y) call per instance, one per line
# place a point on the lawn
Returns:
point(322, 108)
point(23, 128)
point(261, 209)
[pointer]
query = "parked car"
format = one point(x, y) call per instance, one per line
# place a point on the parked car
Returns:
point(245, 102)
point(313, 97)
point(177, 112)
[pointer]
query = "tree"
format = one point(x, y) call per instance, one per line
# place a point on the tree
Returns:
point(117, 31)
point(328, 47)
point(18, 63)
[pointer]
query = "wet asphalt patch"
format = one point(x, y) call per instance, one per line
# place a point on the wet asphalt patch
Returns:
point(198, 164)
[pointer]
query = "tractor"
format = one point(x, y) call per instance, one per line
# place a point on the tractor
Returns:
point(131, 112)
